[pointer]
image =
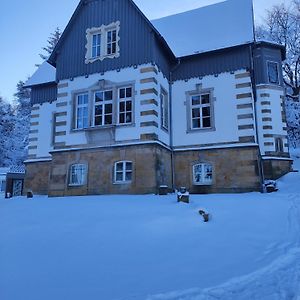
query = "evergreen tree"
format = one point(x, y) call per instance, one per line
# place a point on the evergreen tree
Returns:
point(22, 109)
point(6, 133)
point(52, 41)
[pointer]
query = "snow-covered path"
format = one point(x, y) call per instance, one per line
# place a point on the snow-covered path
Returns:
point(152, 248)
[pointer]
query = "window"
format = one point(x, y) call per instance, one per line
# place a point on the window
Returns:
point(102, 42)
point(273, 73)
point(164, 105)
point(125, 105)
point(201, 111)
point(77, 175)
point(82, 119)
point(123, 172)
point(202, 174)
point(279, 145)
point(2, 185)
point(111, 41)
point(96, 46)
point(103, 108)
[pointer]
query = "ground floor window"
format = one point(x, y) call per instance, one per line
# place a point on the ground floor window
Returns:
point(202, 174)
point(78, 174)
point(2, 185)
point(123, 172)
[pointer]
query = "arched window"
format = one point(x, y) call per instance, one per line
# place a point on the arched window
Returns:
point(123, 172)
point(202, 174)
point(78, 175)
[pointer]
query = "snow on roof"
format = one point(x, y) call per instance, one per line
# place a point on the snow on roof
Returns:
point(44, 74)
point(213, 27)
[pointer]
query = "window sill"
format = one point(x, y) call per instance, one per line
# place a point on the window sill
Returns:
point(197, 130)
point(122, 183)
point(202, 184)
point(101, 58)
point(76, 185)
point(94, 128)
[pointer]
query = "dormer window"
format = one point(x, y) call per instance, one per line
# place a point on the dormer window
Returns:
point(96, 47)
point(102, 42)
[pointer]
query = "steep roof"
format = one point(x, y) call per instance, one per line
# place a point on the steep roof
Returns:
point(44, 74)
point(208, 28)
point(52, 58)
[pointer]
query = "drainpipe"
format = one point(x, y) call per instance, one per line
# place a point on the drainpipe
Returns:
point(254, 89)
point(171, 121)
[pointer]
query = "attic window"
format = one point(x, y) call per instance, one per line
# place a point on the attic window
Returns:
point(102, 42)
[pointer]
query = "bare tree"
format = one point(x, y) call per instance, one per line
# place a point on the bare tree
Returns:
point(282, 25)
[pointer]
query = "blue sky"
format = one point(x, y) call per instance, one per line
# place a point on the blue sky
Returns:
point(26, 25)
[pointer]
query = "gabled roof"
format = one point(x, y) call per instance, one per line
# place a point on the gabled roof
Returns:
point(52, 58)
point(208, 28)
point(44, 74)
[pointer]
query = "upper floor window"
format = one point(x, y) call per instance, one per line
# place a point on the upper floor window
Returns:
point(201, 111)
point(273, 72)
point(103, 108)
point(123, 172)
point(96, 46)
point(102, 42)
point(125, 105)
point(164, 107)
point(111, 42)
point(279, 145)
point(78, 174)
point(82, 103)
point(202, 174)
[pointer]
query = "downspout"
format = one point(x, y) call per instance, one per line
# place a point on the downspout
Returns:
point(171, 121)
point(254, 89)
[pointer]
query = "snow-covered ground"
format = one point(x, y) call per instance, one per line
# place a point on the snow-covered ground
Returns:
point(152, 248)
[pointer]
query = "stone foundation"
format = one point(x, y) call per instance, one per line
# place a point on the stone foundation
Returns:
point(151, 168)
point(274, 168)
point(234, 170)
point(37, 178)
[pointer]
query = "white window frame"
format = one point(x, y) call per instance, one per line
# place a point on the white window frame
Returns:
point(82, 173)
point(125, 100)
point(103, 103)
point(269, 62)
point(82, 106)
point(164, 109)
point(200, 107)
point(103, 31)
point(97, 46)
point(203, 175)
point(124, 171)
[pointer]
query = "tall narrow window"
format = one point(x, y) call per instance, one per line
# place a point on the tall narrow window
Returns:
point(201, 111)
point(125, 105)
point(123, 172)
point(111, 42)
point(78, 174)
point(202, 174)
point(96, 45)
point(164, 104)
point(82, 119)
point(103, 111)
point(279, 145)
point(273, 72)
